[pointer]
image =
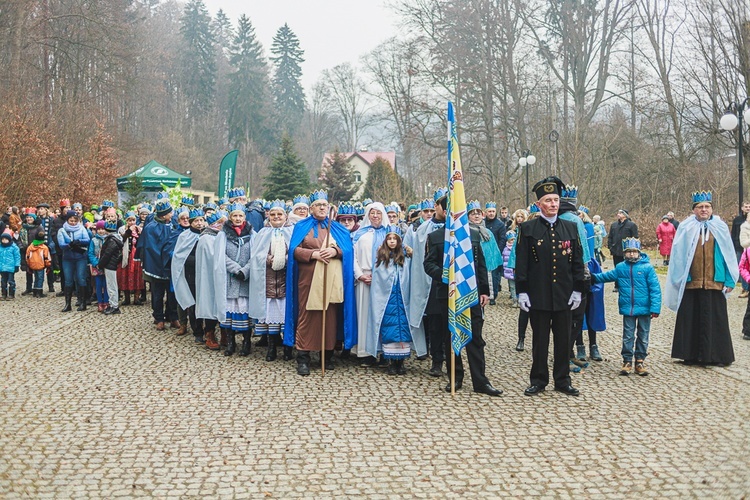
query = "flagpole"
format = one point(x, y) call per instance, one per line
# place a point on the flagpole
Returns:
point(447, 221)
point(325, 304)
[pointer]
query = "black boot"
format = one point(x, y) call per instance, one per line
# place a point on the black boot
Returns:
point(303, 363)
point(263, 342)
point(126, 302)
point(246, 344)
point(140, 298)
point(231, 343)
point(271, 352)
point(401, 367)
point(519, 346)
point(82, 292)
point(52, 288)
point(328, 360)
point(68, 297)
point(40, 293)
point(28, 290)
point(393, 367)
point(288, 351)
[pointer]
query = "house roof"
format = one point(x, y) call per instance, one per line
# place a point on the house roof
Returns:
point(368, 156)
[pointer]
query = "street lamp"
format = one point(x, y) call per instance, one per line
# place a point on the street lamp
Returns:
point(735, 115)
point(526, 161)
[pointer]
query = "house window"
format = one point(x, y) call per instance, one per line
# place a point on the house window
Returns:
point(357, 177)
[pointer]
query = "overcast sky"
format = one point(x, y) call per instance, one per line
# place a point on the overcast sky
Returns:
point(330, 31)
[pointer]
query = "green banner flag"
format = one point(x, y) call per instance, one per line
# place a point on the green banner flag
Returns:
point(226, 172)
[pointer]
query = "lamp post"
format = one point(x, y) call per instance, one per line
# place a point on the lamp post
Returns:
point(735, 115)
point(526, 161)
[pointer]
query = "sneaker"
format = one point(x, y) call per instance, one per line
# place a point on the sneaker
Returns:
point(594, 352)
point(492, 302)
point(627, 368)
point(640, 368)
point(746, 337)
point(574, 368)
point(581, 352)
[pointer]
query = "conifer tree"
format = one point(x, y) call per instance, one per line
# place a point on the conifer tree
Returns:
point(337, 177)
point(199, 63)
point(287, 177)
point(289, 95)
point(383, 183)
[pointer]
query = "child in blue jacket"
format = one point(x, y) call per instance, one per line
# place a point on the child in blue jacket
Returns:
point(10, 262)
point(639, 301)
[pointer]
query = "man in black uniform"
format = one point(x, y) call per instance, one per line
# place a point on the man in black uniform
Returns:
point(549, 282)
point(437, 306)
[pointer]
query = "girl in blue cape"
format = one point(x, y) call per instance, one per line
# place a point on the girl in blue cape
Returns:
point(387, 311)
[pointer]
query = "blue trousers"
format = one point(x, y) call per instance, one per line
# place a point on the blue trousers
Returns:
point(75, 272)
point(39, 279)
point(635, 330)
point(8, 281)
point(100, 286)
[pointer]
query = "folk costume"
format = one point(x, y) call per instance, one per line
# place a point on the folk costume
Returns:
point(237, 244)
point(184, 274)
point(210, 282)
point(703, 265)
point(389, 330)
point(130, 274)
point(549, 280)
point(302, 325)
point(367, 239)
point(268, 262)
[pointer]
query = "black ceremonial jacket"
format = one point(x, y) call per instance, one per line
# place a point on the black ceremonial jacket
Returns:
point(549, 263)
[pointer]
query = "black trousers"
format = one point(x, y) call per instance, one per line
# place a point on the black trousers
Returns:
point(435, 326)
point(199, 325)
point(474, 349)
point(576, 322)
point(158, 289)
point(541, 324)
point(523, 323)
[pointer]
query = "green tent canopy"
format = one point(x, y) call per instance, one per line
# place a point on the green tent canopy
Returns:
point(153, 174)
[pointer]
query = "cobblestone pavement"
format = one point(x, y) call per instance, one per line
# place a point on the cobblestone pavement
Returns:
point(96, 406)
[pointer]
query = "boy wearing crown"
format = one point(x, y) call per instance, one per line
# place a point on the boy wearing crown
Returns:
point(702, 272)
point(639, 301)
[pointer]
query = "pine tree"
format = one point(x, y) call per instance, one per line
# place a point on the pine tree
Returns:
point(383, 183)
point(337, 177)
point(287, 177)
point(222, 29)
point(199, 63)
point(249, 102)
point(289, 95)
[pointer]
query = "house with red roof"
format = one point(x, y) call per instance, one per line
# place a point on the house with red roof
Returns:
point(361, 161)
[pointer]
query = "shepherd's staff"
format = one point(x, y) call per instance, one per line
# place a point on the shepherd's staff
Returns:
point(331, 211)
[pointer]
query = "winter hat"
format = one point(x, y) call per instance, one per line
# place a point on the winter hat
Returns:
point(100, 224)
point(548, 185)
point(77, 205)
point(69, 214)
point(665, 217)
point(163, 207)
point(110, 226)
point(6, 236)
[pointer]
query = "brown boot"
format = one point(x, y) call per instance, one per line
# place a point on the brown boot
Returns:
point(174, 324)
point(223, 338)
point(211, 341)
point(182, 330)
point(160, 325)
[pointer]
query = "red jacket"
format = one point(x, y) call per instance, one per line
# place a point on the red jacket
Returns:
point(665, 233)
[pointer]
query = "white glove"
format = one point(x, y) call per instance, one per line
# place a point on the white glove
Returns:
point(575, 300)
point(523, 301)
point(727, 291)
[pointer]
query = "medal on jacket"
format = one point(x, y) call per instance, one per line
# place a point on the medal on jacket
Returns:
point(565, 245)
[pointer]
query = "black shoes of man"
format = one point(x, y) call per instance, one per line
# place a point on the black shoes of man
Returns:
point(485, 389)
point(533, 390)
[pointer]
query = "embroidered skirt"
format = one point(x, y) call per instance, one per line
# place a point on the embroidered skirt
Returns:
point(237, 317)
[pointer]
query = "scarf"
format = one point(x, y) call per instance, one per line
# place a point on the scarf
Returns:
point(37, 243)
point(278, 250)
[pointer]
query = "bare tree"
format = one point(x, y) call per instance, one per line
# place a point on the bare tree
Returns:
point(347, 96)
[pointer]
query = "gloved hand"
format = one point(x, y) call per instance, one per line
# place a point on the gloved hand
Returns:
point(240, 275)
point(17, 269)
point(727, 290)
point(523, 301)
point(575, 300)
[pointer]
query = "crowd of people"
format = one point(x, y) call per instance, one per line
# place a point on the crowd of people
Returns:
point(366, 279)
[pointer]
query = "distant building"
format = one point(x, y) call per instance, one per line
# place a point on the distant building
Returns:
point(361, 161)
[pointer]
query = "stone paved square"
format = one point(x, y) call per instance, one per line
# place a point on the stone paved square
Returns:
point(104, 407)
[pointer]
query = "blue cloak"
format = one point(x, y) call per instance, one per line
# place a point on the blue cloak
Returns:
point(594, 317)
point(347, 320)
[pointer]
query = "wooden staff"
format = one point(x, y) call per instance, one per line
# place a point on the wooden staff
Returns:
point(325, 303)
point(453, 371)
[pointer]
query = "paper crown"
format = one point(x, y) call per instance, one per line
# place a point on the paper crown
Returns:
point(187, 201)
point(266, 205)
point(236, 207)
point(236, 193)
point(216, 216)
point(473, 205)
point(301, 198)
point(224, 201)
point(440, 193)
point(366, 201)
point(346, 210)
point(276, 204)
point(108, 204)
point(130, 214)
point(182, 210)
point(318, 195)
point(147, 207)
point(569, 192)
point(210, 206)
point(195, 213)
point(30, 211)
point(427, 204)
point(65, 202)
point(77, 205)
point(359, 209)
point(394, 229)
point(702, 197)
point(390, 209)
point(631, 244)
point(163, 207)
point(110, 226)
point(510, 235)
point(533, 209)
point(490, 204)
point(257, 203)
point(583, 209)
point(159, 196)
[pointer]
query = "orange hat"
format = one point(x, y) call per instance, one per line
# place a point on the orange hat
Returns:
point(65, 202)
